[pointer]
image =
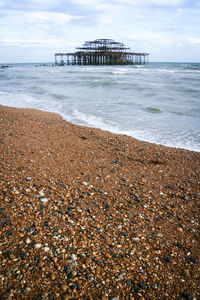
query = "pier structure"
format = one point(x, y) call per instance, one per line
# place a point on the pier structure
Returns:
point(101, 52)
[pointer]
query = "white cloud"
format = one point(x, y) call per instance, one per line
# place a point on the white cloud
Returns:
point(44, 2)
point(50, 17)
point(193, 40)
point(2, 3)
point(166, 2)
point(30, 4)
point(92, 3)
point(33, 42)
point(16, 19)
point(145, 3)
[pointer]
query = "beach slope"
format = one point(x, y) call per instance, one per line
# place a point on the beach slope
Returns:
point(87, 214)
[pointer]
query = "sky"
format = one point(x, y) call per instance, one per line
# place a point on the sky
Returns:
point(33, 30)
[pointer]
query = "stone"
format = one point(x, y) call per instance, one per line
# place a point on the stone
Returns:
point(41, 193)
point(53, 277)
point(12, 256)
point(38, 246)
point(185, 295)
point(67, 270)
point(46, 249)
point(193, 259)
point(167, 259)
point(90, 277)
point(74, 257)
point(44, 200)
point(64, 287)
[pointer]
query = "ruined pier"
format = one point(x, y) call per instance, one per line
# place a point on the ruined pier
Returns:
point(102, 52)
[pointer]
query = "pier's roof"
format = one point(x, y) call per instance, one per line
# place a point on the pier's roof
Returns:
point(103, 45)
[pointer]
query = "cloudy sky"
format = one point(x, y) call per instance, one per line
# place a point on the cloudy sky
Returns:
point(33, 30)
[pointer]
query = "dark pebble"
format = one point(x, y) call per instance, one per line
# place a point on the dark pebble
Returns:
point(185, 295)
point(37, 259)
point(41, 207)
point(1, 209)
point(9, 233)
point(23, 256)
point(129, 282)
point(75, 286)
point(169, 187)
point(117, 162)
point(180, 246)
point(133, 221)
point(99, 262)
point(6, 223)
point(125, 233)
point(167, 259)
point(193, 259)
point(67, 270)
point(70, 214)
point(107, 207)
point(90, 277)
point(33, 230)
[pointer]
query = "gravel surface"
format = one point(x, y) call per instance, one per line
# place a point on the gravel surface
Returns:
point(86, 214)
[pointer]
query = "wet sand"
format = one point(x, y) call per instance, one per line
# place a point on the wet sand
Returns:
point(87, 214)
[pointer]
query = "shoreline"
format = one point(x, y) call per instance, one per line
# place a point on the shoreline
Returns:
point(122, 133)
point(89, 213)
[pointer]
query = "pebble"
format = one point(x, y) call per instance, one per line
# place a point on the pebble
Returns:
point(44, 200)
point(41, 193)
point(12, 256)
point(28, 241)
point(46, 249)
point(64, 287)
point(74, 257)
point(53, 277)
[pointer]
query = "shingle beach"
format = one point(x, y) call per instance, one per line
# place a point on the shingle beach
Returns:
point(87, 214)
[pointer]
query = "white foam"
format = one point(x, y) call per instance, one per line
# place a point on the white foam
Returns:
point(95, 121)
point(27, 101)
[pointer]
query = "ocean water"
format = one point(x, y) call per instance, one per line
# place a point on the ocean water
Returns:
point(158, 102)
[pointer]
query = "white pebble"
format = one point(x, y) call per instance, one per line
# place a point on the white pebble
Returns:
point(41, 194)
point(46, 249)
point(74, 257)
point(28, 241)
point(44, 200)
point(38, 246)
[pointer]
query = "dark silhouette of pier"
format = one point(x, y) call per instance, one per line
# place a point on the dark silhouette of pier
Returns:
point(101, 52)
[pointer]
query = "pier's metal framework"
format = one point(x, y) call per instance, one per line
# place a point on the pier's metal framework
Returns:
point(101, 52)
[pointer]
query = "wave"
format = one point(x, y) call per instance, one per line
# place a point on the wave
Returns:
point(190, 90)
point(153, 109)
point(58, 96)
point(94, 121)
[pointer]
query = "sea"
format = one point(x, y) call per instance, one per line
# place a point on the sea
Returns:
point(157, 102)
